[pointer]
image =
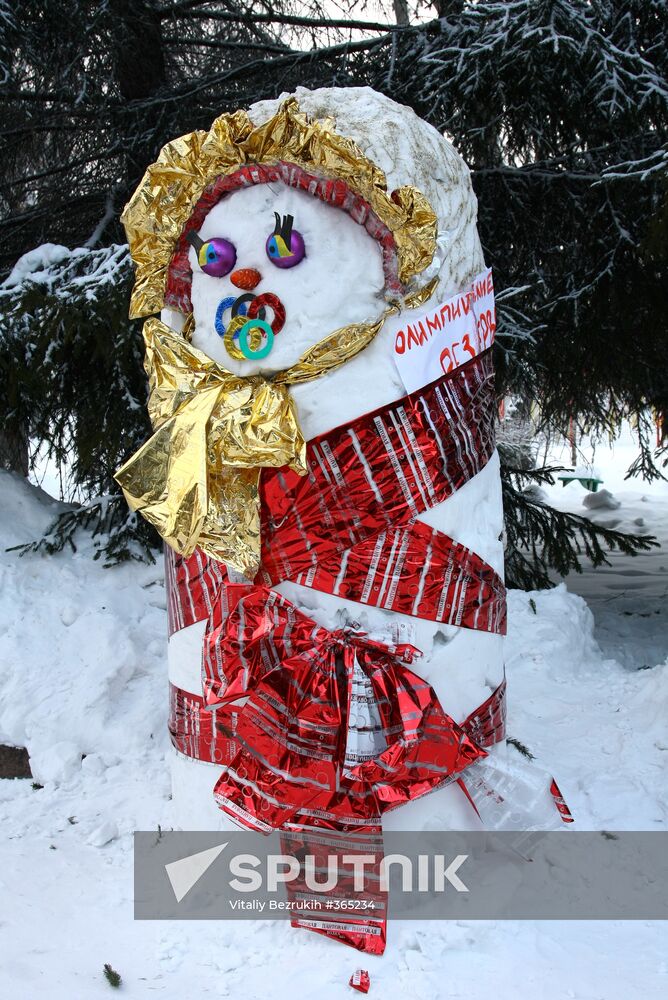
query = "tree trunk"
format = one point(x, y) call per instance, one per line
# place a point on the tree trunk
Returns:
point(14, 452)
point(139, 64)
point(401, 11)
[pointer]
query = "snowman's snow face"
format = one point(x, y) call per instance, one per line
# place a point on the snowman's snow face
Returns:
point(314, 267)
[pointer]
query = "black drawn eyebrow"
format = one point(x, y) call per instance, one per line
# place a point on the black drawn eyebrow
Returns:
point(283, 228)
point(195, 240)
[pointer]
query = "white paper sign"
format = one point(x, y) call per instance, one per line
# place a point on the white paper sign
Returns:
point(430, 343)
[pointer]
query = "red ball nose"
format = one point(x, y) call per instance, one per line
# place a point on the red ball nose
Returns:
point(246, 277)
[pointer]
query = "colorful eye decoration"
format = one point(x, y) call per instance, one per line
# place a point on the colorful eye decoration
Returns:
point(216, 257)
point(285, 247)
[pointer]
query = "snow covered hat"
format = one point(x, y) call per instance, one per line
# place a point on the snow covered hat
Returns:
point(409, 152)
point(278, 142)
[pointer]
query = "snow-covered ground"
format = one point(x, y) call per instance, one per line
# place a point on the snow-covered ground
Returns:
point(83, 682)
point(629, 597)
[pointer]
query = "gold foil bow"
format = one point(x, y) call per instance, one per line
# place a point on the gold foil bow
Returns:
point(196, 480)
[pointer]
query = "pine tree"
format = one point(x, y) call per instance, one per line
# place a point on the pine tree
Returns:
point(558, 107)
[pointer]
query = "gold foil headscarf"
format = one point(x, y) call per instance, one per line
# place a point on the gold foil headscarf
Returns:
point(158, 211)
point(197, 478)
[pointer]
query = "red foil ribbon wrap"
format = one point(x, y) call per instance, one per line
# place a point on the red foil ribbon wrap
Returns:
point(349, 528)
point(320, 732)
point(333, 721)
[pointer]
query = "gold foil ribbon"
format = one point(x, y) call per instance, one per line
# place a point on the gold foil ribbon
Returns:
point(158, 211)
point(196, 480)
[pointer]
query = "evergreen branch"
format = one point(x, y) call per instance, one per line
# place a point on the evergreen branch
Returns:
point(540, 538)
point(521, 748)
point(117, 534)
point(238, 17)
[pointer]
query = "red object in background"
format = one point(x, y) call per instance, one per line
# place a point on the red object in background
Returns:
point(360, 981)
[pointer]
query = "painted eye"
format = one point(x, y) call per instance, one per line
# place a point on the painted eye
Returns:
point(285, 246)
point(216, 257)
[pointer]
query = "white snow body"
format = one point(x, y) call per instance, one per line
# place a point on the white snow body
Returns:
point(339, 282)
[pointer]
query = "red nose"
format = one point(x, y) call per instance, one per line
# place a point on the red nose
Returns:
point(246, 277)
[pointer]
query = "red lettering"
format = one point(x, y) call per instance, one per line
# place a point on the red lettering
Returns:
point(400, 342)
point(466, 344)
point(486, 327)
point(434, 324)
point(412, 338)
point(446, 355)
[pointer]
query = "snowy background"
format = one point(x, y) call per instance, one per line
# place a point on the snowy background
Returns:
point(82, 671)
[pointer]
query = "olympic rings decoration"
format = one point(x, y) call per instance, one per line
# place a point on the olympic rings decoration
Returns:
point(256, 308)
point(249, 352)
point(253, 334)
point(242, 300)
point(226, 303)
point(231, 337)
point(239, 307)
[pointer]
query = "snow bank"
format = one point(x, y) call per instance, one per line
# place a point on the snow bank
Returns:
point(81, 649)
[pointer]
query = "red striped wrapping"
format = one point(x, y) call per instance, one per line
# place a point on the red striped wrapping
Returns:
point(294, 752)
point(362, 925)
point(349, 528)
point(201, 733)
point(194, 585)
point(332, 721)
point(196, 732)
point(559, 801)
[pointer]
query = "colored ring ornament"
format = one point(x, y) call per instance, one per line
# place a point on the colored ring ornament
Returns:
point(274, 303)
point(231, 336)
point(242, 300)
point(239, 307)
point(226, 303)
point(247, 350)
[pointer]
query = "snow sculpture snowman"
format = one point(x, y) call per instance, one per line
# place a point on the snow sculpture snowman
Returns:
point(323, 470)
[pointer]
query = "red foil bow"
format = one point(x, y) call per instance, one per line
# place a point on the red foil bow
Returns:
point(333, 722)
